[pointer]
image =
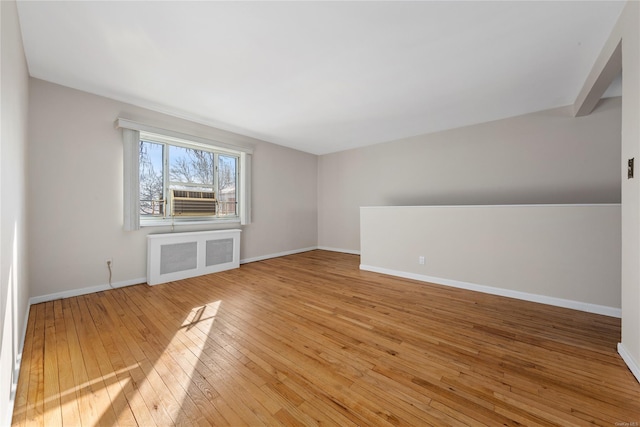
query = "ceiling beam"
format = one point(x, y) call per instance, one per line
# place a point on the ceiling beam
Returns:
point(604, 71)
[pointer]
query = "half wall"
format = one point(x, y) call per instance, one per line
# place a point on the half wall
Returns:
point(565, 255)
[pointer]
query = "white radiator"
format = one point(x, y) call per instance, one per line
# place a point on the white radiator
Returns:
point(176, 256)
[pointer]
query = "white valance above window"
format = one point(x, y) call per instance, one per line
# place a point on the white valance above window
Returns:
point(224, 143)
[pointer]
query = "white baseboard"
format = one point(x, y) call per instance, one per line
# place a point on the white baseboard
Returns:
point(276, 255)
point(16, 373)
point(105, 287)
point(344, 251)
point(100, 288)
point(543, 299)
point(84, 291)
point(632, 364)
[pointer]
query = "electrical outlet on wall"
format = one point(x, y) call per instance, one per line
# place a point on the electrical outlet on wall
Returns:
point(421, 260)
point(109, 262)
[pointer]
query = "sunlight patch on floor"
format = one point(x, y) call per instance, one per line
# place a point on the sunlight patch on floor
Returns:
point(185, 349)
point(200, 314)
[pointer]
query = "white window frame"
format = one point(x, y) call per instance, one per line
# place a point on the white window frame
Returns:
point(168, 183)
point(133, 132)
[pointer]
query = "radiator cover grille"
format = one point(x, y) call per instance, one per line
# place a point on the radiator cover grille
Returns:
point(218, 252)
point(176, 256)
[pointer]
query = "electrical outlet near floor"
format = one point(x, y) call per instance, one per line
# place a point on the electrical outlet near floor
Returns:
point(421, 260)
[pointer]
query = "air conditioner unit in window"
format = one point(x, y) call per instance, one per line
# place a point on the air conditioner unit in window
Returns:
point(193, 203)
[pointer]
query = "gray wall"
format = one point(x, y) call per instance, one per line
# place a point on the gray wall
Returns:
point(75, 192)
point(14, 289)
point(566, 255)
point(545, 157)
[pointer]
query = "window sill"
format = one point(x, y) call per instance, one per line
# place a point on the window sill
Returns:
point(187, 222)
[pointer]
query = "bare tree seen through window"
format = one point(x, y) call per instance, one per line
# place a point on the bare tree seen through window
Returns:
point(151, 181)
point(189, 169)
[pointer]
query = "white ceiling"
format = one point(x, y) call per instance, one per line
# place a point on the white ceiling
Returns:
point(322, 76)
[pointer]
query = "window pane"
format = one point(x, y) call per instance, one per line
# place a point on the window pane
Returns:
point(151, 181)
point(227, 199)
point(191, 182)
point(189, 166)
point(186, 183)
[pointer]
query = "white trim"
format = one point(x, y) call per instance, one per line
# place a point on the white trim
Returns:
point(10, 406)
point(131, 282)
point(122, 123)
point(134, 132)
point(84, 291)
point(168, 222)
point(178, 142)
point(17, 364)
point(344, 251)
point(244, 193)
point(23, 338)
point(543, 299)
point(626, 356)
point(277, 255)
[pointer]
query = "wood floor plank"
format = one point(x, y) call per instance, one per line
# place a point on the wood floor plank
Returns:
point(96, 407)
point(195, 384)
point(52, 403)
point(102, 366)
point(129, 346)
point(170, 406)
point(69, 397)
point(207, 368)
point(309, 339)
point(121, 359)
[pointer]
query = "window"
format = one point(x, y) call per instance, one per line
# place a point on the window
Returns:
point(177, 181)
point(172, 178)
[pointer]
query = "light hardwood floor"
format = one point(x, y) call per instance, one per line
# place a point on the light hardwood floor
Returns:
point(309, 339)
